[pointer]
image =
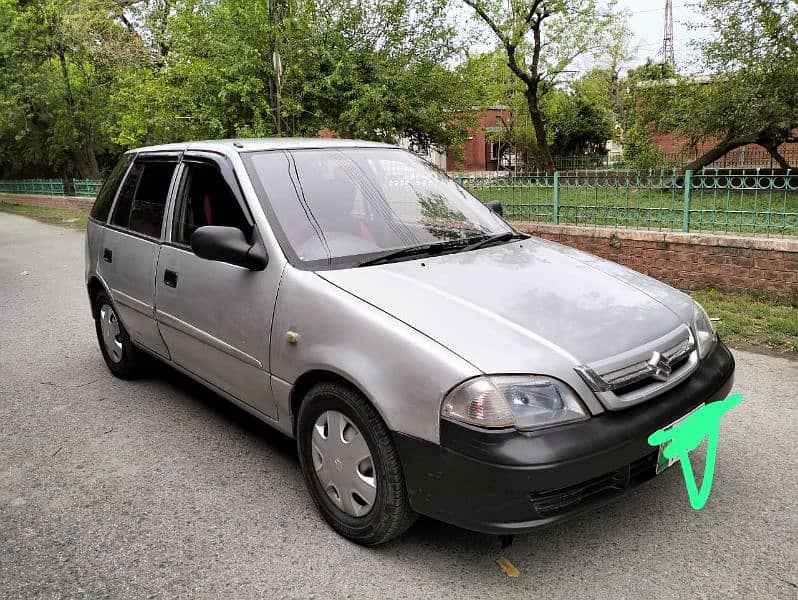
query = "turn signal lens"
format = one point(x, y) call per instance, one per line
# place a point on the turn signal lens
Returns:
point(704, 331)
point(478, 402)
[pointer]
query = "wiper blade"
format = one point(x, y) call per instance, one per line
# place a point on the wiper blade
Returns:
point(402, 253)
point(499, 237)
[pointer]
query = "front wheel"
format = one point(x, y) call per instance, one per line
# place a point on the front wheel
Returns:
point(351, 466)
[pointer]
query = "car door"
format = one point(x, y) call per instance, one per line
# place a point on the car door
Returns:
point(215, 317)
point(131, 243)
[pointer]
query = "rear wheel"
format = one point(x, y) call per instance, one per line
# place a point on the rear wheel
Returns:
point(351, 466)
point(121, 356)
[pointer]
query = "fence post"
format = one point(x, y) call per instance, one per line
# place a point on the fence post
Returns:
point(688, 179)
point(556, 197)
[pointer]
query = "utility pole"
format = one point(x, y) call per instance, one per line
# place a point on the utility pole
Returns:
point(667, 39)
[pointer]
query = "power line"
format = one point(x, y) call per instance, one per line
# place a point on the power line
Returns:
point(651, 10)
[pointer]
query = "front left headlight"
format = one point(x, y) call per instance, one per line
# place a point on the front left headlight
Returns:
point(705, 335)
point(525, 402)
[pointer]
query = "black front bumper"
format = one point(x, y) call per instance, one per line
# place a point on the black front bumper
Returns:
point(509, 481)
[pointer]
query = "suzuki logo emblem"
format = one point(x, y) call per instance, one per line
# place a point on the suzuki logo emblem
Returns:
point(659, 366)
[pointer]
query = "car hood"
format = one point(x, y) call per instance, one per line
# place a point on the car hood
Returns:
point(525, 307)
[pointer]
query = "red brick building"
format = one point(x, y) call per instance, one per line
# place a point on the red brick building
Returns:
point(677, 148)
point(752, 155)
point(479, 153)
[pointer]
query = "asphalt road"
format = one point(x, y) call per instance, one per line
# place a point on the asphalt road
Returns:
point(160, 488)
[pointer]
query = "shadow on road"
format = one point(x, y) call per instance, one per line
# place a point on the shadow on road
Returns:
point(605, 525)
point(226, 410)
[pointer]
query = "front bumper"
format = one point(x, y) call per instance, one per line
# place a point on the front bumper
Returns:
point(507, 481)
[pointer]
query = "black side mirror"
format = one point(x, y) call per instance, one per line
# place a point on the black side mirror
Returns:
point(228, 244)
point(496, 207)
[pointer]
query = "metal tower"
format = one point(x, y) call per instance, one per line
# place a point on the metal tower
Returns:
point(667, 40)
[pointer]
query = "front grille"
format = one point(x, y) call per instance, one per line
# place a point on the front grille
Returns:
point(643, 373)
point(551, 503)
point(632, 387)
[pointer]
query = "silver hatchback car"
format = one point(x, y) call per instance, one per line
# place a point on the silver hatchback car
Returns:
point(427, 357)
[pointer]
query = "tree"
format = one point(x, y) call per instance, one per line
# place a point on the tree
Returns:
point(542, 39)
point(577, 125)
point(752, 95)
point(80, 80)
point(58, 60)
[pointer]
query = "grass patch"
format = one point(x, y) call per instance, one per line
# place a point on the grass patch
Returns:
point(753, 321)
point(57, 216)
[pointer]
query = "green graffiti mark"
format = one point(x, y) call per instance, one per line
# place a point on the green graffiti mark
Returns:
point(680, 439)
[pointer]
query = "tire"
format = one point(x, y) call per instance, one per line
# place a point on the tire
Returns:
point(123, 359)
point(388, 514)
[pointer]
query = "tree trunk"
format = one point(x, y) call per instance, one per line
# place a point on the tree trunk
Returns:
point(773, 150)
point(720, 150)
point(540, 129)
point(84, 156)
point(93, 171)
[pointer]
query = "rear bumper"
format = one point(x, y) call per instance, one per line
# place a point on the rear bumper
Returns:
point(508, 481)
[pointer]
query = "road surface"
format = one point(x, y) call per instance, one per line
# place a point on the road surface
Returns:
point(159, 488)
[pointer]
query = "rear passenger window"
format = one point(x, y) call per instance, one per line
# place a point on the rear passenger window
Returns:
point(142, 198)
point(205, 199)
point(105, 199)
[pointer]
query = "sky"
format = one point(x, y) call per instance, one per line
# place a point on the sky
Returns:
point(647, 22)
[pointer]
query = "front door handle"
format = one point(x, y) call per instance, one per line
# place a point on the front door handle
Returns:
point(108, 256)
point(170, 278)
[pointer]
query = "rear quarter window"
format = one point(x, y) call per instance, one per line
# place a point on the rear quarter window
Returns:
point(142, 198)
point(102, 205)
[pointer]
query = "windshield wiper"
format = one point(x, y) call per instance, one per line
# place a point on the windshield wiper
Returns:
point(499, 237)
point(403, 253)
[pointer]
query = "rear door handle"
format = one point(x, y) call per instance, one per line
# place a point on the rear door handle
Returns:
point(170, 278)
point(108, 256)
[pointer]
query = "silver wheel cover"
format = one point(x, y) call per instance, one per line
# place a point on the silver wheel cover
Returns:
point(343, 463)
point(109, 327)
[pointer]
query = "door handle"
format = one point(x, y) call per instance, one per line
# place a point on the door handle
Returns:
point(108, 256)
point(170, 278)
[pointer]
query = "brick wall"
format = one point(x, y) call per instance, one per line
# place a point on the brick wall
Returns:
point(689, 261)
point(71, 202)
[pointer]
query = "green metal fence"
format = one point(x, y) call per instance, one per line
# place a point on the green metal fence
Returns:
point(52, 187)
point(87, 187)
point(715, 201)
point(754, 201)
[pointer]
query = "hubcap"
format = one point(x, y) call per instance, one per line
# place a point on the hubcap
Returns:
point(343, 463)
point(109, 326)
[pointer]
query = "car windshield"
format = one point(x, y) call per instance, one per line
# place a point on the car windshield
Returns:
point(341, 207)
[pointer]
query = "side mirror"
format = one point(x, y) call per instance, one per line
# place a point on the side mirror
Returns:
point(496, 207)
point(228, 244)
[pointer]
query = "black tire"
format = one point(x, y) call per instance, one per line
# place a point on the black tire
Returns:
point(129, 366)
point(391, 513)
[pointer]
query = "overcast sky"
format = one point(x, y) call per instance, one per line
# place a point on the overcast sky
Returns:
point(647, 22)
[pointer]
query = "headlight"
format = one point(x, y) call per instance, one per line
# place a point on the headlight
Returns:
point(524, 402)
point(704, 331)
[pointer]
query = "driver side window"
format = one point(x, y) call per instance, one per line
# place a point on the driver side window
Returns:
point(205, 199)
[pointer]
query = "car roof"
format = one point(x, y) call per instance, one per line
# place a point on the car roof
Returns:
point(255, 144)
